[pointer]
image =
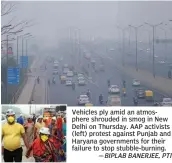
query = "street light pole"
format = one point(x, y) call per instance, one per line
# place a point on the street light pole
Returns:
point(153, 51)
point(22, 50)
point(153, 27)
point(136, 33)
point(123, 44)
point(7, 74)
point(26, 47)
point(17, 49)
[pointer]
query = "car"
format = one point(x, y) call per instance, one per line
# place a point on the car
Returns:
point(55, 72)
point(161, 62)
point(102, 68)
point(65, 66)
point(3, 119)
point(140, 93)
point(93, 61)
point(167, 102)
point(81, 82)
point(65, 70)
point(83, 99)
point(56, 62)
point(68, 82)
point(70, 74)
point(81, 78)
point(136, 82)
point(62, 79)
point(55, 66)
point(114, 89)
point(114, 100)
point(80, 75)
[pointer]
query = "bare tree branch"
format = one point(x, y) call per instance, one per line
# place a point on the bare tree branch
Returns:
point(7, 7)
point(12, 27)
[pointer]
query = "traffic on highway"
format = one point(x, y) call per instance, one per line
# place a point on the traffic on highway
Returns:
point(118, 57)
point(94, 80)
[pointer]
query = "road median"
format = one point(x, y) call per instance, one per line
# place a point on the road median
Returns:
point(158, 83)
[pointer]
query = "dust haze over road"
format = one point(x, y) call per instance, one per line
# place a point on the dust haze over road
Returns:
point(76, 33)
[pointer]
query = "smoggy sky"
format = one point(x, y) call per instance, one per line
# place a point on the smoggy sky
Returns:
point(98, 19)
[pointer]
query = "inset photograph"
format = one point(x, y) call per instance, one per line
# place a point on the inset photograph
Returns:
point(33, 133)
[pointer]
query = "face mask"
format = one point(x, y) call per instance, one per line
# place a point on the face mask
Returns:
point(44, 138)
point(11, 119)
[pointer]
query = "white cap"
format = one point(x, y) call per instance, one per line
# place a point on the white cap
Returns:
point(44, 130)
point(54, 118)
point(10, 112)
point(30, 116)
point(21, 114)
point(40, 117)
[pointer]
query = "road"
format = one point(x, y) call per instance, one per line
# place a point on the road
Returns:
point(59, 93)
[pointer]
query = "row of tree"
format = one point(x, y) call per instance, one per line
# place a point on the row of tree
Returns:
point(11, 28)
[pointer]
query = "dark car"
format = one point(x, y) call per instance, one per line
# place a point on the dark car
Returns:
point(140, 93)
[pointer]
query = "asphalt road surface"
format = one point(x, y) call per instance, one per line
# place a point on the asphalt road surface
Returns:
point(61, 94)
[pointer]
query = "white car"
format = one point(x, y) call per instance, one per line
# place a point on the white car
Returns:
point(93, 61)
point(114, 89)
point(161, 62)
point(68, 82)
point(65, 66)
point(81, 82)
point(55, 72)
point(65, 70)
point(3, 119)
point(80, 75)
point(70, 74)
point(136, 82)
point(167, 102)
point(83, 99)
point(56, 62)
point(114, 101)
point(81, 78)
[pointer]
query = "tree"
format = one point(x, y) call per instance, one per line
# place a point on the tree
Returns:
point(12, 28)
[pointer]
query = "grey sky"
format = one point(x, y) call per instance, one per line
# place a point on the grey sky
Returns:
point(92, 18)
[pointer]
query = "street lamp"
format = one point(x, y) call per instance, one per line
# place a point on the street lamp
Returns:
point(123, 32)
point(23, 37)
point(154, 27)
point(165, 35)
point(77, 42)
point(136, 32)
point(27, 42)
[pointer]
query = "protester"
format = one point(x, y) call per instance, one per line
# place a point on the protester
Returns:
point(34, 118)
point(44, 148)
point(38, 125)
point(11, 134)
point(20, 119)
point(64, 133)
point(46, 120)
point(64, 126)
point(52, 127)
point(29, 129)
point(59, 124)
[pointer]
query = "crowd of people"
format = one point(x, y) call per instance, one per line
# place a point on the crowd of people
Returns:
point(44, 138)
